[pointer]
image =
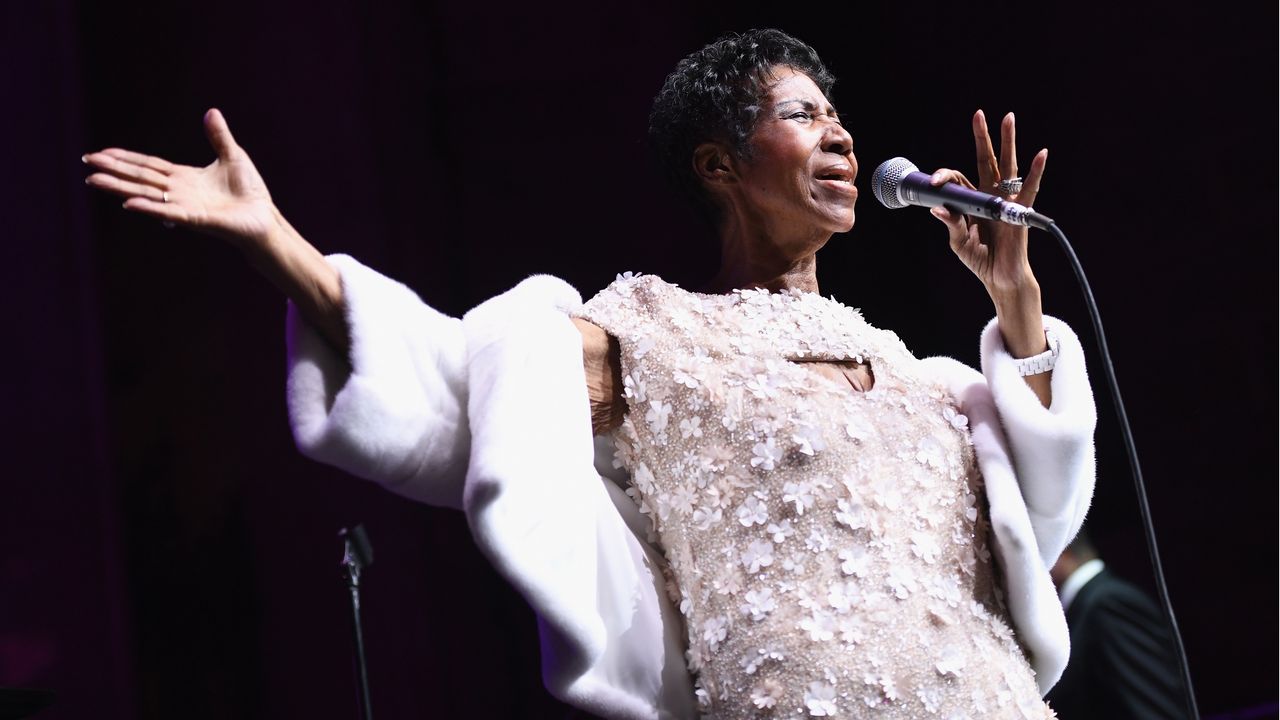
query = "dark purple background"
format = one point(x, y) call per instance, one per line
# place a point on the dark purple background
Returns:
point(166, 552)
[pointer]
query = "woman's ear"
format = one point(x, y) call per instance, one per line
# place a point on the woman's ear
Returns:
point(714, 164)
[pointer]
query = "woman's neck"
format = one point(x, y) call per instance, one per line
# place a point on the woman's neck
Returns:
point(750, 257)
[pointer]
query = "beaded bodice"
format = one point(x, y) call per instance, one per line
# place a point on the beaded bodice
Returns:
point(827, 548)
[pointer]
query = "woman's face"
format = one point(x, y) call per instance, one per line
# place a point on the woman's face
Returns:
point(801, 170)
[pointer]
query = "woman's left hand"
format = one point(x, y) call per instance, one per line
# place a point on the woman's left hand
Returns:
point(997, 252)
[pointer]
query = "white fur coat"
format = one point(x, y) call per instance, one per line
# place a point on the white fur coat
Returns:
point(489, 414)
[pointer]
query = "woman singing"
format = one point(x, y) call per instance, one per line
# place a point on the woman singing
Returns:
point(757, 504)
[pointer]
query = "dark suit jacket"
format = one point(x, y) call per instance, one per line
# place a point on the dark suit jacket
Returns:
point(1122, 662)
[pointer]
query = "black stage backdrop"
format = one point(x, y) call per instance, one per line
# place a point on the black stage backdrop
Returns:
point(167, 553)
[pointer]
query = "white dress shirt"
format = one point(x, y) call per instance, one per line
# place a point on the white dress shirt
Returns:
point(1077, 580)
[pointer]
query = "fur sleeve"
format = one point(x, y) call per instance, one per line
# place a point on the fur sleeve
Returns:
point(1037, 465)
point(612, 641)
point(396, 413)
point(1052, 448)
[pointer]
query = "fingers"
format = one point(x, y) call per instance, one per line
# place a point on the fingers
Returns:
point(125, 188)
point(963, 237)
point(215, 128)
point(159, 165)
point(1008, 149)
point(145, 199)
point(948, 218)
point(945, 175)
point(1031, 186)
point(988, 169)
point(131, 166)
point(169, 212)
point(957, 226)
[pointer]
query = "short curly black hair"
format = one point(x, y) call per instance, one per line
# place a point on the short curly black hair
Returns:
point(716, 94)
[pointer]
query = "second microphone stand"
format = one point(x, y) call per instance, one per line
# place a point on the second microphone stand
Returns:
point(357, 554)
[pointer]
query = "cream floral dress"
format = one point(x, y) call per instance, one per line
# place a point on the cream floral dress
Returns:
point(827, 548)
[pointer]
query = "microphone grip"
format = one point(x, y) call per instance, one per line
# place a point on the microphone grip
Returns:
point(917, 189)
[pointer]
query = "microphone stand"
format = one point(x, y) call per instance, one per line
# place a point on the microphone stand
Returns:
point(357, 554)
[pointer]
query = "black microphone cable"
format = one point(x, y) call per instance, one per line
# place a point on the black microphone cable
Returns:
point(1134, 465)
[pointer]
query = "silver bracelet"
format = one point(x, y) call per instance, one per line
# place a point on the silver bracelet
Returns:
point(1041, 363)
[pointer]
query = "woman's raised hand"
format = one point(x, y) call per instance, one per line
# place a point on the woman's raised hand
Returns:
point(997, 252)
point(226, 198)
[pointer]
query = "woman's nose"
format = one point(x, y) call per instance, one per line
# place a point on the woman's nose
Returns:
point(837, 140)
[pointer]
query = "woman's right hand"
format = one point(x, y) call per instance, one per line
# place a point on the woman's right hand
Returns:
point(227, 198)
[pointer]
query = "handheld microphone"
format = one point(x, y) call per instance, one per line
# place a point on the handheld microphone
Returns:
point(898, 183)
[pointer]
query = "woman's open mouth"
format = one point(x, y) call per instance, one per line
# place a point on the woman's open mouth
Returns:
point(838, 177)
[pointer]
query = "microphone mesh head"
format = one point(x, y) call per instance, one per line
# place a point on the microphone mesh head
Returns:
point(887, 178)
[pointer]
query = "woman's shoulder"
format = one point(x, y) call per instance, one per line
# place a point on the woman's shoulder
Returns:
point(633, 285)
point(632, 299)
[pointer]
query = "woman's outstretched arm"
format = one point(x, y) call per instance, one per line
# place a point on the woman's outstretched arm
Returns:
point(229, 200)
